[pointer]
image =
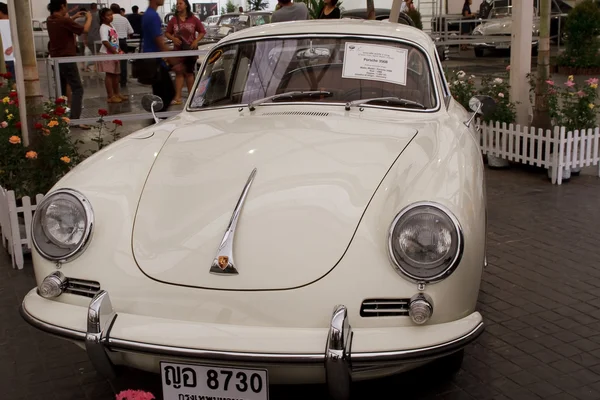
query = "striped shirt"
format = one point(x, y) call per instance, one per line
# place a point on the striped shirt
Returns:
point(122, 26)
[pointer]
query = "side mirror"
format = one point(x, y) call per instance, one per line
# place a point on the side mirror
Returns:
point(481, 105)
point(153, 104)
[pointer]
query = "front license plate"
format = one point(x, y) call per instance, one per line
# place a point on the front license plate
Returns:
point(503, 45)
point(203, 382)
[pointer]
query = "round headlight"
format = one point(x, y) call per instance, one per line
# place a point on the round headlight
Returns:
point(62, 225)
point(425, 242)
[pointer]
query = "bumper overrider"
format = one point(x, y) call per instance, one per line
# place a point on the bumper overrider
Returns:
point(341, 364)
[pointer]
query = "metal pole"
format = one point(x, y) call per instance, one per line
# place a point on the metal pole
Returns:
point(12, 12)
point(395, 11)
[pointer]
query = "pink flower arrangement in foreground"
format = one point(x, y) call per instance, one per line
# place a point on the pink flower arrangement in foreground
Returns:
point(135, 395)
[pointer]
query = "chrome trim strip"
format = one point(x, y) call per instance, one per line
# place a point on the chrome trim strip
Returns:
point(413, 355)
point(223, 263)
point(422, 354)
point(338, 366)
point(51, 329)
point(87, 234)
point(459, 249)
point(417, 45)
point(101, 316)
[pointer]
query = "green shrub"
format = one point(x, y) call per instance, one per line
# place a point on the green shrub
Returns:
point(582, 29)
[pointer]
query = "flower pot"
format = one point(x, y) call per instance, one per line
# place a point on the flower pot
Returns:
point(497, 162)
point(566, 175)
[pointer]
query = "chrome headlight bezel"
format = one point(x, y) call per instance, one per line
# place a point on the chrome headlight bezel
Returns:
point(455, 260)
point(72, 254)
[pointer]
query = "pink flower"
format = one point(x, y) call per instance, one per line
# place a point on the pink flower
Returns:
point(569, 83)
point(592, 81)
point(552, 91)
point(508, 67)
point(549, 82)
point(3, 124)
point(580, 93)
point(135, 395)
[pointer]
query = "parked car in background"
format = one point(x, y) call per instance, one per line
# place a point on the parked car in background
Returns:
point(499, 24)
point(234, 22)
point(451, 23)
point(316, 214)
point(211, 20)
point(40, 38)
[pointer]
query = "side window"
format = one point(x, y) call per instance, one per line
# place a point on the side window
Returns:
point(215, 82)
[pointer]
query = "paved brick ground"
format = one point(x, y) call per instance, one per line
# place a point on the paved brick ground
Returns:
point(540, 297)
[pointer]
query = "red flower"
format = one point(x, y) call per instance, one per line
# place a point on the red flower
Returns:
point(60, 111)
point(18, 125)
point(59, 101)
point(13, 94)
point(45, 116)
point(102, 112)
point(118, 122)
point(38, 125)
point(7, 75)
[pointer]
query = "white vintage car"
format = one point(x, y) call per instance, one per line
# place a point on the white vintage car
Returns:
point(315, 214)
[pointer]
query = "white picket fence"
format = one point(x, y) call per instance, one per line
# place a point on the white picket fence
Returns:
point(15, 224)
point(551, 149)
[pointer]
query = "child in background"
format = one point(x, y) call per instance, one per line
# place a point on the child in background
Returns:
point(110, 45)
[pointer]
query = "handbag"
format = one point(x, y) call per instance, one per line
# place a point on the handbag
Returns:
point(184, 44)
point(145, 70)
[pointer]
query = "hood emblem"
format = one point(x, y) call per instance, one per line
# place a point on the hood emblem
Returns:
point(223, 263)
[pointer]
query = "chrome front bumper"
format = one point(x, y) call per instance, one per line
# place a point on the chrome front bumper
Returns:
point(337, 359)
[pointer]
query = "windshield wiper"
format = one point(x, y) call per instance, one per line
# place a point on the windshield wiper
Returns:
point(389, 100)
point(291, 95)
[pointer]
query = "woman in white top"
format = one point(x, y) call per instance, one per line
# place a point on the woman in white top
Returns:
point(110, 45)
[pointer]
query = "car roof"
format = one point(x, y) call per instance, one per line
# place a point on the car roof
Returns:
point(339, 26)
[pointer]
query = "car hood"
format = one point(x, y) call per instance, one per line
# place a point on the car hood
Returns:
point(501, 26)
point(315, 176)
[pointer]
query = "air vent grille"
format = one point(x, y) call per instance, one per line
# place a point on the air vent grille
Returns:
point(309, 113)
point(82, 287)
point(384, 307)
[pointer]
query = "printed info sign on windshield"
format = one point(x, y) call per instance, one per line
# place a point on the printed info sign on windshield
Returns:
point(375, 62)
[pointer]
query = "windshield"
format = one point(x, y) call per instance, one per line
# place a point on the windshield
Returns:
point(229, 20)
point(349, 69)
point(501, 12)
point(260, 19)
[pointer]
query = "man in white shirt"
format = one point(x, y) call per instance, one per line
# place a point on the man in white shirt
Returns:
point(124, 30)
point(9, 56)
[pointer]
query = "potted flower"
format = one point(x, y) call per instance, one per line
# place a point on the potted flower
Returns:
point(499, 89)
point(574, 106)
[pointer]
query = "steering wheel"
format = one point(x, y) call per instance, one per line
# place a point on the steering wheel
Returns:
point(367, 92)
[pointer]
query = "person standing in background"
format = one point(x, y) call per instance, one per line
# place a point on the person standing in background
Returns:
point(182, 30)
point(93, 36)
point(123, 12)
point(110, 45)
point(330, 11)
point(153, 40)
point(135, 19)
point(61, 31)
point(9, 55)
point(124, 30)
point(82, 48)
point(289, 11)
